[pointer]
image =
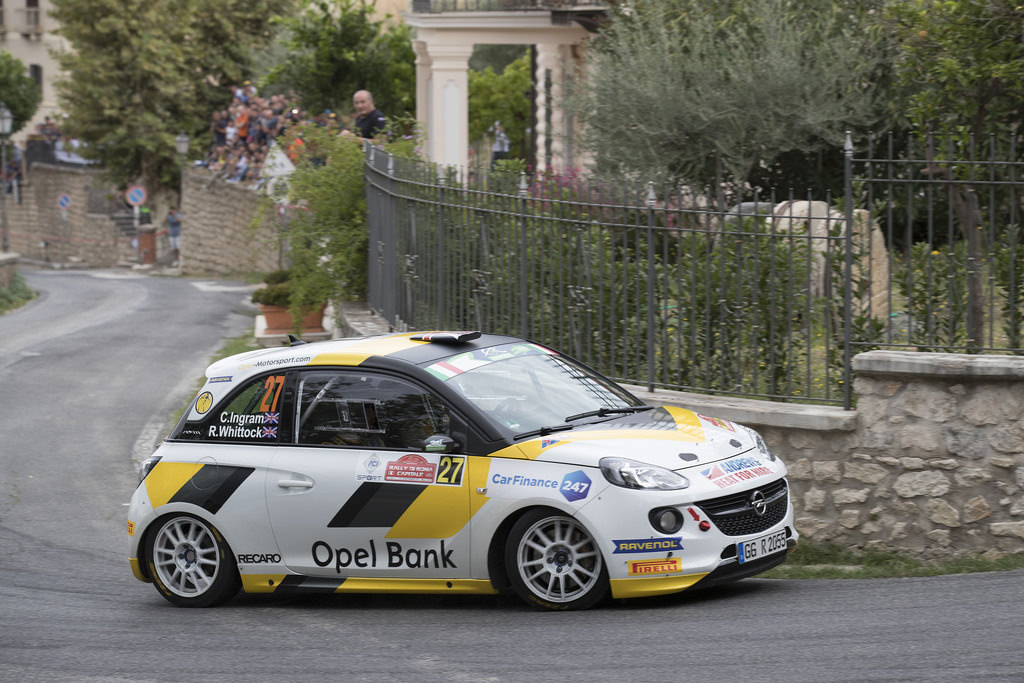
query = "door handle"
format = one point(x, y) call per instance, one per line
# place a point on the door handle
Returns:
point(295, 484)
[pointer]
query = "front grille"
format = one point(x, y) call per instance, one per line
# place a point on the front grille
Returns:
point(734, 514)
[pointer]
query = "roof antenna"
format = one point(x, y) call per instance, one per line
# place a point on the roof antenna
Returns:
point(294, 341)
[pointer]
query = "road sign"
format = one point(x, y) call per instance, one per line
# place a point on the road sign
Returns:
point(136, 195)
point(64, 201)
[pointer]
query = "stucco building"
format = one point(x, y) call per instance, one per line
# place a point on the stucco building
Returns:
point(27, 32)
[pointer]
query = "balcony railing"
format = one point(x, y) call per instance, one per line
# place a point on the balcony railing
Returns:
point(27, 21)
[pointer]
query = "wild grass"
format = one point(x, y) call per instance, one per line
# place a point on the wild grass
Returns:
point(16, 295)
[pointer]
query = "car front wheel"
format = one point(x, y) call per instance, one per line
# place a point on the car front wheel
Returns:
point(553, 562)
point(190, 562)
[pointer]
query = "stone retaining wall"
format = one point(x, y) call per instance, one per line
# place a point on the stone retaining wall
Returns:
point(8, 268)
point(216, 238)
point(931, 462)
point(216, 234)
point(38, 233)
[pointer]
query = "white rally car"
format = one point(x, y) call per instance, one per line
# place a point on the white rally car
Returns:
point(448, 462)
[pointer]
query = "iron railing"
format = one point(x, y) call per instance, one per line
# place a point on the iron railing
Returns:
point(672, 288)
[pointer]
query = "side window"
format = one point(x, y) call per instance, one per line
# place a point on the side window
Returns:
point(366, 410)
point(253, 415)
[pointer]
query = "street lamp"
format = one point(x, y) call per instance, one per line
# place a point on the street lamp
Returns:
point(6, 121)
point(181, 146)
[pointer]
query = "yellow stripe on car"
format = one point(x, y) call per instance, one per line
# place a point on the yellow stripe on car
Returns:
point(261, 583)
point(468, 586)
point(137, 569)
point(659, 585)
point(447, 503)
point(167, 478)
point(357, 352)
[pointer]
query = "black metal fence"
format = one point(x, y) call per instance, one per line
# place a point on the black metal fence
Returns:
point(673, 288)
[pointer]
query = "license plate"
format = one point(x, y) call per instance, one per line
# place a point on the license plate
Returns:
point(761, 546)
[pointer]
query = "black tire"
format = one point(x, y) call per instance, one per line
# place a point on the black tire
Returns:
point(190, 562)
point(554, 563)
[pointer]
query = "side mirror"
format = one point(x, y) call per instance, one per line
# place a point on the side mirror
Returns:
point(439, 443)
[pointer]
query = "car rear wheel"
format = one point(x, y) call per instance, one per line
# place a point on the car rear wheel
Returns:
point(553, 562)
point(190, 562)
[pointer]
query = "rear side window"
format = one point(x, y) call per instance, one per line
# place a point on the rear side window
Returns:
point(366, 410)
point(253, 415)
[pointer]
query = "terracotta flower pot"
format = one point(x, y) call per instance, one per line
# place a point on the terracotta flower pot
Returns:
point(280, 320)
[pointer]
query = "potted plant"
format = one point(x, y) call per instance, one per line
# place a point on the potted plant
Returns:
point(276, 305)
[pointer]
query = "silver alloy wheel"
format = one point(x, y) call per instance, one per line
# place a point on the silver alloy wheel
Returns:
point(186, 557)
point(558, 560)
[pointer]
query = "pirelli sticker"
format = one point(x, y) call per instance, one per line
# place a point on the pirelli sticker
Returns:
point(654, 567)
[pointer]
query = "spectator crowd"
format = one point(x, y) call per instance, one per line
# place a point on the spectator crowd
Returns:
point(244, 132)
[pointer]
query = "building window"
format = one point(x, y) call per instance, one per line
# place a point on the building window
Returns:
point(35, 72)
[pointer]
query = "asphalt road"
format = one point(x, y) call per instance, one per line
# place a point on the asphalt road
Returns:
point(89, 375)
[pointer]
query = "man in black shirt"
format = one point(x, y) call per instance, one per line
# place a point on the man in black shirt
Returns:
point(369, 121)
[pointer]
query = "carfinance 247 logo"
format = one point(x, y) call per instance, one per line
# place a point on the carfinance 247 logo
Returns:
point(575, 486)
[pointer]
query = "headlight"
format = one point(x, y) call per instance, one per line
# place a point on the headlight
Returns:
point(632, 474)
point(146, 465)
point(761, 445)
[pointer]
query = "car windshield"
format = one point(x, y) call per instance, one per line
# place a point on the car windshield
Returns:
point(527, 388)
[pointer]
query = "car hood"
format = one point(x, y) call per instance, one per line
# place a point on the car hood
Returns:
point(670, 437)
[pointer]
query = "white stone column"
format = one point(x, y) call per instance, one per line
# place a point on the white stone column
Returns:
point(423, 77)
point(447, 107)
point(549, 59)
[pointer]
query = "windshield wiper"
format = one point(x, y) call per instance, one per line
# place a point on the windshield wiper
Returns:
point(604, 412)
point(543, 431)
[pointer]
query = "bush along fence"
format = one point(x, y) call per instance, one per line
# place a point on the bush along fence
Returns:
point(672, 288)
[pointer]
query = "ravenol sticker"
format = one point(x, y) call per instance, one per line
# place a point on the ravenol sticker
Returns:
point(646, 545)
point(222, 378)
point(575, 486)
point(734, 471)
point(648, 567)
point(204, 402)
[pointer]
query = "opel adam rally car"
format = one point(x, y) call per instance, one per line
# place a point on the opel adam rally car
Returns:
point(448, 462)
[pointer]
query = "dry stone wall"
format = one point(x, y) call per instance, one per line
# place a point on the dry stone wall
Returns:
point(8, 268)
point(216, 235)
point(931, 462)
point(37, 231)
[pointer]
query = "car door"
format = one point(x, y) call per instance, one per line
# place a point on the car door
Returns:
point(356, 492)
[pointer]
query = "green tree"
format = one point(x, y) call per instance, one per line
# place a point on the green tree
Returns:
point(961, 63)
point(327, 238)
point(693, 90)
point(139, 72)
point(501, 97)
point(336, 47)
point(17, 90)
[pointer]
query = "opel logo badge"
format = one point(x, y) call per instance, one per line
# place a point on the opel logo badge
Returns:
point(758, 502)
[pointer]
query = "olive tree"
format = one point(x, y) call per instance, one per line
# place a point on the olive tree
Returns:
point(695, 91)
